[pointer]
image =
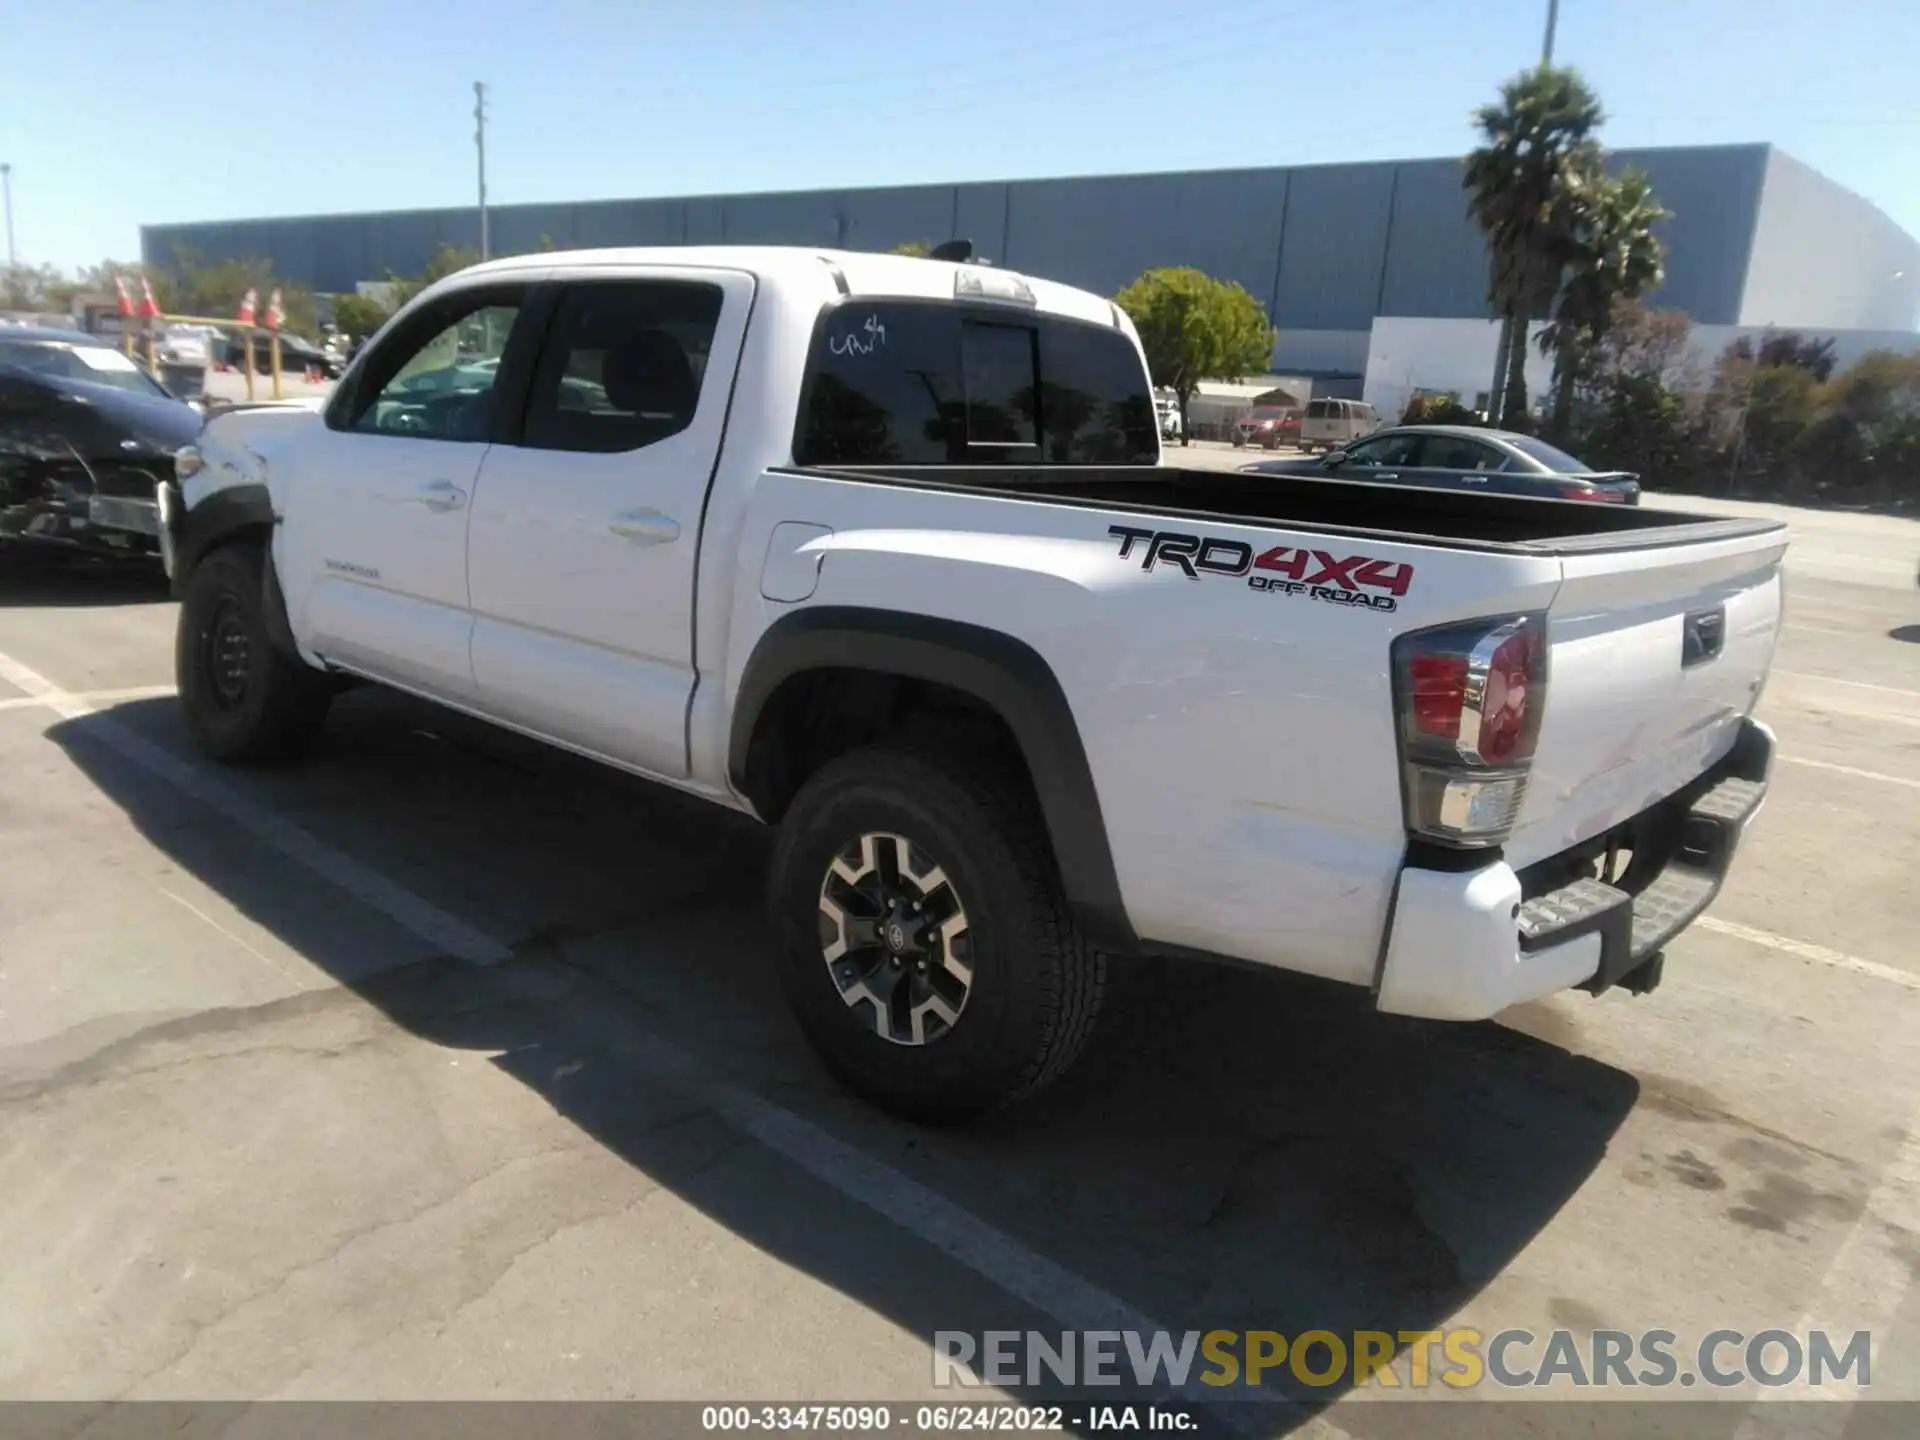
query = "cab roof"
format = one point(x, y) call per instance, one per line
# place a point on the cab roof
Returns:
point(865, 274)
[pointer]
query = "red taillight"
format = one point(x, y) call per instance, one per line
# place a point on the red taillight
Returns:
point(1506, 699)
point(1439, 687)
point(1470, 699)
point(1581, 492)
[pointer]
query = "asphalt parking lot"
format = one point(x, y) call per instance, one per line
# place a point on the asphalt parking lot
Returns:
point(443, 1066)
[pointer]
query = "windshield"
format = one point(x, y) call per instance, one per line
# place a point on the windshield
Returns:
point(1557, 461)
point(95, 364)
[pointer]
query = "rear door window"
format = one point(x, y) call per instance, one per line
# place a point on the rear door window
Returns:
point(1456, 452)
point(902, 382)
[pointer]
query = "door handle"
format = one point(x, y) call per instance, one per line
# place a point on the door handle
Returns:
point(1473, 479)
point(645, 527)
point(440, 496)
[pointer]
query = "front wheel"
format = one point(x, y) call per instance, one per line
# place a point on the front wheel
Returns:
point(243, 698)
point(922, 937)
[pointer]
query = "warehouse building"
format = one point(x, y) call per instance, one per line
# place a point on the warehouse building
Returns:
point(1755, 238)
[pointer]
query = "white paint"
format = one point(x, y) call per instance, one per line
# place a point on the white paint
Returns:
point(1818, 954)
point(448, 935)
point(1857, 773)
point(91, 697)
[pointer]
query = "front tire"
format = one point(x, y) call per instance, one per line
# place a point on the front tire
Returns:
point(243, 698)
point(922, 937)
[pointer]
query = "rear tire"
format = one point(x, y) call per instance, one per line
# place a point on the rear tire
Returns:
point(243, 698)
point(993, 996)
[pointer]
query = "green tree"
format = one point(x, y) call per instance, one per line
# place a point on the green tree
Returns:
point(1639, 399)
point(358, 315)
point(446, 260)
point(1607, 254)
point(1437, 410)
point(919, 249)
point(1865, 442)
point(193, 286)
point(1535, 141)
point(39, 288)
point(1196, 328)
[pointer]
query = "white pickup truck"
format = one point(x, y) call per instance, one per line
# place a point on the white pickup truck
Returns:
point(881, 551)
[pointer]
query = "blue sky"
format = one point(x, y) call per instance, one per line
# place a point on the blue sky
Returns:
point(118, 112)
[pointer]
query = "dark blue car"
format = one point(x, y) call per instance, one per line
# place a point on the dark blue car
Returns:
point(85, 436)
point(1463, 457)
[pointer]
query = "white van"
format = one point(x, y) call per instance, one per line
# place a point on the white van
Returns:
point(1332, 424)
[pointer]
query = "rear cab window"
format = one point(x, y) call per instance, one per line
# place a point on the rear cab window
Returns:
point(934, 382)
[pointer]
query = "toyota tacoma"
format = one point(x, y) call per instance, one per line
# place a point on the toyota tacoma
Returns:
point(882, 552)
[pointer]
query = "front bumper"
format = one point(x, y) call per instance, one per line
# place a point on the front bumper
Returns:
point(1465, 945)
point(167, 509)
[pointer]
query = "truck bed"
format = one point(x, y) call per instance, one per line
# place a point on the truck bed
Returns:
point(1453, 518)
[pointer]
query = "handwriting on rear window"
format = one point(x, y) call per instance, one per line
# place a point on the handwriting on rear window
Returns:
point(864, 341)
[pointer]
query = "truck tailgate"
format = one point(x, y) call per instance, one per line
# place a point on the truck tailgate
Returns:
point(1655, 655)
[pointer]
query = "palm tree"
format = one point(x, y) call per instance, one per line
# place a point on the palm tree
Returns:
point(1534, 142)
point(1610, 254)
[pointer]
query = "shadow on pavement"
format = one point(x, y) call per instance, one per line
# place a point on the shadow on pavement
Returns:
point(1239, 1150)
point(1908, 633)
point(34, 579)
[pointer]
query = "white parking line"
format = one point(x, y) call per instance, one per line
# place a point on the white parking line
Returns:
point(1857, 774)
point(448, 935)
point(1818, 954)
point(1850, 684)
point(1052, 1289)
point(89, 697)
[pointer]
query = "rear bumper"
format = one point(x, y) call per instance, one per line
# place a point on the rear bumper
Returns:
point(1465, 945)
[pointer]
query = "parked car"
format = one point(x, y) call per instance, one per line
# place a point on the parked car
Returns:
point(1268, 426)
point(85, 436)
point(1169, 413)
point(1331, 424)
point(1464, 457)
point(1017, 695)
point(295, 354)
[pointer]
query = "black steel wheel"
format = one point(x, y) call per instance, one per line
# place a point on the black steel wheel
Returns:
point(242, 696)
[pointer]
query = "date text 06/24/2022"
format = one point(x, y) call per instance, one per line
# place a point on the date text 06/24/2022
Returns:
point(958, 1417)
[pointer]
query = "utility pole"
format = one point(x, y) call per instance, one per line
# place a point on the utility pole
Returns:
point(1504, 345)
point(480, 144)
point(6, 183)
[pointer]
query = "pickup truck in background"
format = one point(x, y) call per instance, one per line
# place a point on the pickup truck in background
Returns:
point(881, 551)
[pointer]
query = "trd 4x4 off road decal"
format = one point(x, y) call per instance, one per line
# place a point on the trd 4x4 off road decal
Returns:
point(1283, 570)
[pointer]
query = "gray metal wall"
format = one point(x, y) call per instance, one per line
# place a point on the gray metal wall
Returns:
point(1325, 247)
point(1824, 257)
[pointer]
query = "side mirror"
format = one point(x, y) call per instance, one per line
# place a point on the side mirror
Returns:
point(1334, 459)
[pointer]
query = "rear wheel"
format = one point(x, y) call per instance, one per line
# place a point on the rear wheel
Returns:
point(243, 698)
point(922, 937)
